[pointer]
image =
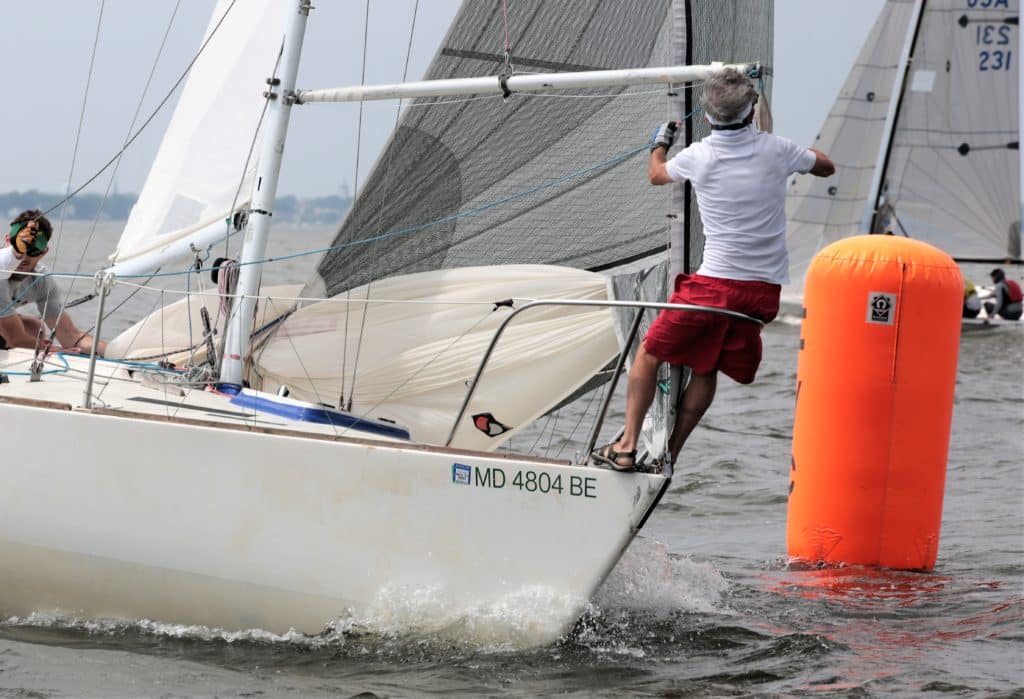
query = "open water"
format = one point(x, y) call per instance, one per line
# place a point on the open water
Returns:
point(702, 604)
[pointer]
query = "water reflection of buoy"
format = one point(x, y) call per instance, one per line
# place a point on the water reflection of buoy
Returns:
point(875, 382)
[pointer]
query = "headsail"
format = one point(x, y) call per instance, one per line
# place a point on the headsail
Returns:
point(821, 211)
point(199, 170)
point(420, 349)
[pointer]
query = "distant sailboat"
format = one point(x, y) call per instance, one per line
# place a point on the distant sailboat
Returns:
point(925, 135)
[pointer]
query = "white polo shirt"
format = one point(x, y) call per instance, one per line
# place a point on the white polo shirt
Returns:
point(740, 180)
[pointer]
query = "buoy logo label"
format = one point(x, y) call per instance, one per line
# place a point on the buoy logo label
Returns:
point(881, 308)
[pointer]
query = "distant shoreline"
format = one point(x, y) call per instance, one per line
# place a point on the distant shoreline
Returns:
point(117, 207)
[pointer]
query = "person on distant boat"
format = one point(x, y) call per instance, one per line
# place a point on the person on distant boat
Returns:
point(27, 244)
point(1008, 297)
point(972, 302)
point(739, 175)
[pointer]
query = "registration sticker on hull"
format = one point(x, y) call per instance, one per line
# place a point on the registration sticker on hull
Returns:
point(462, 474)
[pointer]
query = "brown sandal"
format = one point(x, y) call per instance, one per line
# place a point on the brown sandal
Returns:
point(608, 456)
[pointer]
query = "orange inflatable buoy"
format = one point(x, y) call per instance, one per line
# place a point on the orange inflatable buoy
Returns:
point(875, 378)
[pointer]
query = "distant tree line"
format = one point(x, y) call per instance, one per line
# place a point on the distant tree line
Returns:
point(116, 207)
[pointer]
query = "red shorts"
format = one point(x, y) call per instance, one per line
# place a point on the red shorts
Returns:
point(706, 342)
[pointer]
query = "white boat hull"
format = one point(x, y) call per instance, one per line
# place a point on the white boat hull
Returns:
point(191, 522)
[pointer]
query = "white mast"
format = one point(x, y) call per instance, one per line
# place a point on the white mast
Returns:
point(874, 194)
point(264, 190)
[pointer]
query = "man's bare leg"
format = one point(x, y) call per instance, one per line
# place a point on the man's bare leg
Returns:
point(643, 379)
point(696, 401)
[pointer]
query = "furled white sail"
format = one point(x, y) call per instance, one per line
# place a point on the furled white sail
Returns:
point(412, 360)
point(953, 174)
point(200, 168)
point(175, 332)
point(821, 211)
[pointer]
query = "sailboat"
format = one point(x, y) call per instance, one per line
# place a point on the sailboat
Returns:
point(925, 134)
point(335, 450)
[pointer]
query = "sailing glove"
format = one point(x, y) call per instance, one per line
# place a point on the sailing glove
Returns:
point(664, 136)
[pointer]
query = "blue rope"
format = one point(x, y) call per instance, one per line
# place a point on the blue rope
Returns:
point(59, 355)
point(124, 362)
point(423, 226)
point(418, 227)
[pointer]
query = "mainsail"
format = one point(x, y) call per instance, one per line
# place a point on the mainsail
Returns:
point(200, 176)
point(953, 176)
point(951, 162)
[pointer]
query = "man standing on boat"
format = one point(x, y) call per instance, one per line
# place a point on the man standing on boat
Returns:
point(739, 175)
point(27, 244)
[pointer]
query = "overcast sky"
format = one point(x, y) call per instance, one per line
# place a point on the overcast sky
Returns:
point(49, 44)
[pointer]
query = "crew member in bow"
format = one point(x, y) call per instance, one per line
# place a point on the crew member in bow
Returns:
point(739, 175)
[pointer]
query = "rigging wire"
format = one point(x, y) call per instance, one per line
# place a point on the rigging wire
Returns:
point(355, 186)
point(508, 40)
point(383, 200)
point(150, 118)
point(113, 175)
point(71, 171)
point(586, 411)
point(366, 413)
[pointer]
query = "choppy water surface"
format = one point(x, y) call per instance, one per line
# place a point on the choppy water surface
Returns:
point(702, 603)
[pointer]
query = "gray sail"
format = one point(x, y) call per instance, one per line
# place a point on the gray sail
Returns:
point(468, 182)
point(953, 173)
point(821, 211)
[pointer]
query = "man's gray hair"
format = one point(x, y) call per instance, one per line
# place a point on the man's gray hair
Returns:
point(728, 96)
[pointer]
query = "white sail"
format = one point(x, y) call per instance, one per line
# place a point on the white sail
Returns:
point(199, 170)
point(821, 211)
point(174, 333)
point(411, 361)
